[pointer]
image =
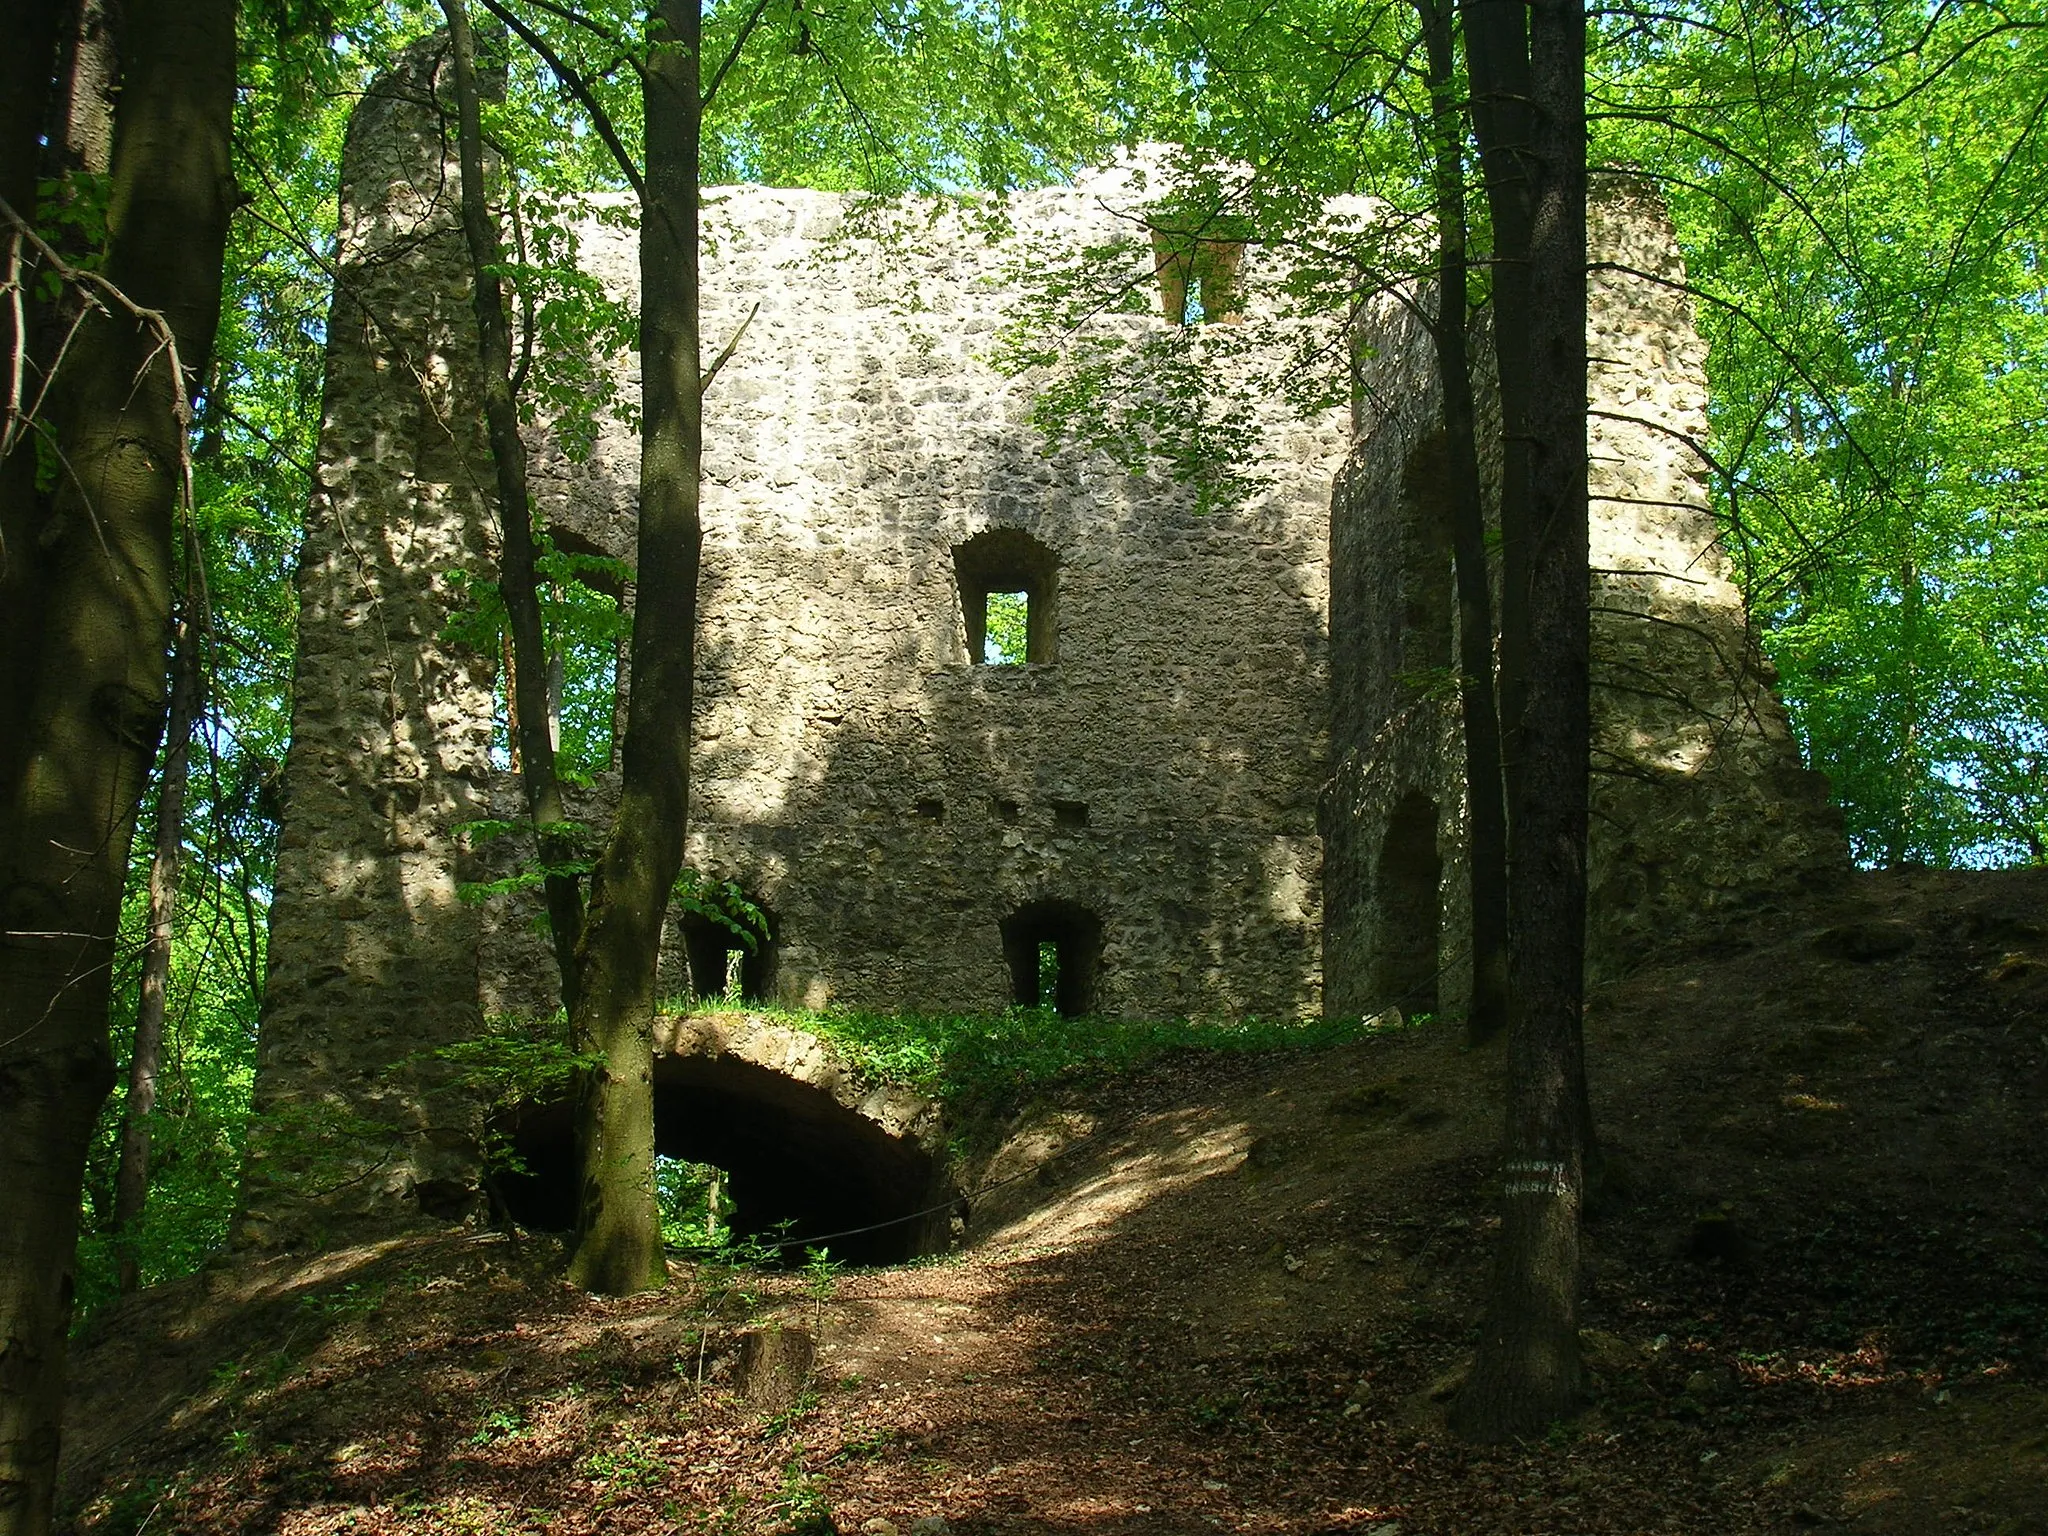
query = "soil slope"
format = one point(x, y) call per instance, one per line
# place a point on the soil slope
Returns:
point(1233, 1293)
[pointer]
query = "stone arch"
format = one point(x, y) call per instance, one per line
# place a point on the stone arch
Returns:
point(803, 1135)
point(1408, 907)
point(1008, 560)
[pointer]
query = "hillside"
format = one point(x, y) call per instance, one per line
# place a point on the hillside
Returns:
point(1817, 1294)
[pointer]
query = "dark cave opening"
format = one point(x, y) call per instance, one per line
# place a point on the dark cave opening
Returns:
point(790, 1153)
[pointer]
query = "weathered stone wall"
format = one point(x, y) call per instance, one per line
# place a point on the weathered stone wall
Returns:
point(889, 801)
point(372, 958)
point(1699, 801)
point(1152, 779)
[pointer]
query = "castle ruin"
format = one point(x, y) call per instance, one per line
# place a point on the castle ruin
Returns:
point(1207, 786)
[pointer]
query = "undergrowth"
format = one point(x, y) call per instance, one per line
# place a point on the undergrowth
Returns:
point(992, 1062)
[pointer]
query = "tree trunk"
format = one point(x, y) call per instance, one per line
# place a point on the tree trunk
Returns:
point(94, 707)
point(131, 1177)
point(529, 712)
point(1527, 1372)
point(28, 43)
point(1486, 816)
point(618, 1238)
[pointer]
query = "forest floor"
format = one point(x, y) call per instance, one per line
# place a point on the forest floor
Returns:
point(1816, 1296)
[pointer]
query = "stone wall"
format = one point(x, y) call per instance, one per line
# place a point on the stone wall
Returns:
point(1225, 725)
point(372, 957)
point(890, 801)
point(1699, 802)
point(1145, 789)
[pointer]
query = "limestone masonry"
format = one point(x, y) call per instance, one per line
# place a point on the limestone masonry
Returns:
point(1211, 786)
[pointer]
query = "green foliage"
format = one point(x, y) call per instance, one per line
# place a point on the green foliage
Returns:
point(723, 903)
point(992, 1062)
point(1859, 193)
point(1004, 643)
point(514, 1062)
point(203, 1088)
point(586, 629)
point(684, 1192)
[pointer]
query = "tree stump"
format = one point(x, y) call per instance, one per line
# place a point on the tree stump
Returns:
point(775, 1366)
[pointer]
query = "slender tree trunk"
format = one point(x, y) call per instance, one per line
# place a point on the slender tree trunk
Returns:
point(1486, 816)
point(1527, 1371)
point(94, 708)
point(1898, 841)
point(131, 1176)
point(618, 1240)
point(530, 715)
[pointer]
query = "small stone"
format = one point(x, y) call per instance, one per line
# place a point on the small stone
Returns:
point(879, 1527)
point(930, 1525)
point(1705, 1385)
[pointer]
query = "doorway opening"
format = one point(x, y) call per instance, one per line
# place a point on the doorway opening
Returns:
point(1054, 950)
point(1407, 894)
point(724, 967)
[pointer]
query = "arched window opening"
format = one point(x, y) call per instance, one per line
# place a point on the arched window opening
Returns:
point(1008, 591)
point(1428, 604)
point(724, 966)
point(1054, 950)
point(742, 1153)
point(1408, 898)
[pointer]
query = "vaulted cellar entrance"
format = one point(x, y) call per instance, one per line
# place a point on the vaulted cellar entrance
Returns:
point(788, 1152)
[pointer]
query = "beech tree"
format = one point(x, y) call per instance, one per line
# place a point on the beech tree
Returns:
point(1528, 72)
point(91, 577)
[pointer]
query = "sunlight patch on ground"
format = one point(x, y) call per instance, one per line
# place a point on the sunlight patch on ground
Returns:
point(1091, 1208)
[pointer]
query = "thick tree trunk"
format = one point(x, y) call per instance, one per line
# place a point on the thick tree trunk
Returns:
point(95, 705)
point(529, 711)
point(28, 43)
point(618, 1241)
point(1486, 816)
point(1527, 1371)
point(131, 1177)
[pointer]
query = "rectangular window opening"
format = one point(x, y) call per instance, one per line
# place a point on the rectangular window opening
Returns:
point(1006, 629)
